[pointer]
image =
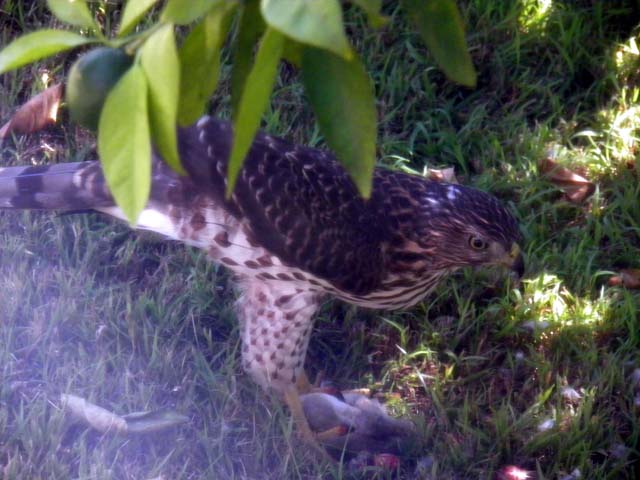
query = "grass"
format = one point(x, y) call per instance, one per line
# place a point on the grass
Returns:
point(133, 323)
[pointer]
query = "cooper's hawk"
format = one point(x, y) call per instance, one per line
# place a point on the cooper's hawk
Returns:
point(294, 231)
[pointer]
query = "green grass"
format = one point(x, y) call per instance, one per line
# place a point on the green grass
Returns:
point(134, 323)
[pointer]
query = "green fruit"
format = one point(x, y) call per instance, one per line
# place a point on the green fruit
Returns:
point(91, 78)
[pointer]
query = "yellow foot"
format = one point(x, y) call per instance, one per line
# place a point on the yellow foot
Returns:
point(303, 385)
point(332, 433)
point(292, 399)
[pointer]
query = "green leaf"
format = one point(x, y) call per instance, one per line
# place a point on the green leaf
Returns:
point(161, 65)
point(372, 9)
point(440, 26)
point(200, 60)
point(254, 101)
point(73, 12)
point(250, 29)
point(341, 95)
point(133, 13)
point(124, 143)
point(183, 12)
point(37, 45)
point(292, 52)
point(317, 23)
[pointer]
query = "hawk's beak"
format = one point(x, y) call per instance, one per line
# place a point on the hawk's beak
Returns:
point(515, 261)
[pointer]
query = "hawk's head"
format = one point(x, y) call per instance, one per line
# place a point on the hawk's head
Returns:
point(462, 226)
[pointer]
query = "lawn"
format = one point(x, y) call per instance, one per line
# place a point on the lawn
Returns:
point(544, 376)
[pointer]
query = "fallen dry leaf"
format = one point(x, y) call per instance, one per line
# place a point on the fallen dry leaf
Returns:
point(628, 278)
point(39, 112)
point(547, 424)
point(149, 422)
point(447, 175)
point(576, 188)
point(105, 421)
point(570, 394)
point(91, 414)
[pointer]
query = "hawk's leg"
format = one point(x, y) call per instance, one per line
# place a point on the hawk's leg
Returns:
point(276, 319)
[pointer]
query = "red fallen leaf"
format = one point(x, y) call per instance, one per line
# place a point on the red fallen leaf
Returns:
point(511, 472)
point(447, 175)
point(386, 461)
point(576, 188)
point(37, 113)
point(628, 278)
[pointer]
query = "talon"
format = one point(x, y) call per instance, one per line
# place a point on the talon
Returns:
point(333, 433)
point(303, 385)
point(292, 399)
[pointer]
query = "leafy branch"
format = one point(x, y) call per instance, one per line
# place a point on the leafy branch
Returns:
point(163, 84)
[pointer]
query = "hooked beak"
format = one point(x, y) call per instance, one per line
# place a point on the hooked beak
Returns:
point(515, 261)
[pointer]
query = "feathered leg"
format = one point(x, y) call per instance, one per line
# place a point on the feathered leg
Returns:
point(276, 323)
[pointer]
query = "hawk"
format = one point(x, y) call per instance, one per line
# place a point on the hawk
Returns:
point(294, 231)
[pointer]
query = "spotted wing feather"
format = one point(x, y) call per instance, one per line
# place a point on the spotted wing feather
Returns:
point(297, 202)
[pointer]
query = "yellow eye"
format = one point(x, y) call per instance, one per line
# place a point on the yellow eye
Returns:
point(478, 243)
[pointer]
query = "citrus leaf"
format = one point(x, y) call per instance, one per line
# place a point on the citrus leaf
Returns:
point(627, 278)
point(254, 101)
point(124, 143)
point(575, 187)
point(292, 52)
point(133, 13)
point(183, 12)
point(37, 45)
point(341, 95)
point(372, 9)
point(200, 57)
point(73, 12)
point(249, 30)
point(93, 415)
point(440, 26)
point(161, 65)
point(446, 175)
point(39, 112)
point(317, 23)
point(151, 422)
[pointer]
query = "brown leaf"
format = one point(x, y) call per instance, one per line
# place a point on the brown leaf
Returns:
point(105, 421)
point(628, 278)
point(447, 175)
point(91, 414)
point(39, 112)
point(576, 188)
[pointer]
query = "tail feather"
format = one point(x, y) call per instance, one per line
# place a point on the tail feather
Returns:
point(81, 186)
point(65, 186)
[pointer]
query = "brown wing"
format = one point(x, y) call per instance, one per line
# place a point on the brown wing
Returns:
point(298, 203)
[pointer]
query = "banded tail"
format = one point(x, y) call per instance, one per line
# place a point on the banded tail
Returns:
point(66, 186)
point(177, 208)
point(82, 186)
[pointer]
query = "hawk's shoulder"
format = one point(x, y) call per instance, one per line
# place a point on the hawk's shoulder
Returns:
point(296, 201)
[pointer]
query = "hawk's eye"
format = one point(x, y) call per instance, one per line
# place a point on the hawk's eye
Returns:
point(478, 243)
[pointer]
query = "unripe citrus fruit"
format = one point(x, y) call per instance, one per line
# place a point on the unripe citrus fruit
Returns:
point(91, 78)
